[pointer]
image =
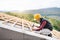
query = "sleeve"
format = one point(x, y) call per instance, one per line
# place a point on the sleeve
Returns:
point(41, 26)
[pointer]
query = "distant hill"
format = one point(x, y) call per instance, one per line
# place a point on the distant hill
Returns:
point(46, 12)
point(50, 12)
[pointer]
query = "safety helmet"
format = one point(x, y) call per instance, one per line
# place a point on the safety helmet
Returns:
point(37, 16)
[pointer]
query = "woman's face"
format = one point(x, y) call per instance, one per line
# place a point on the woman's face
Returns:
point(38, 21)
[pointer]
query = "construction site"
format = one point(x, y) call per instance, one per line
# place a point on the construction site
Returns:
point(14, 28)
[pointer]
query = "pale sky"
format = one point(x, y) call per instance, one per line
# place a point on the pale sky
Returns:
point(21, 5)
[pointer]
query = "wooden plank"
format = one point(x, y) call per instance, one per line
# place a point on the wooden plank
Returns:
point(26, 23)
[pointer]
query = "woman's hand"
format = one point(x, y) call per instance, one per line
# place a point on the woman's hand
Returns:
point(35, 28)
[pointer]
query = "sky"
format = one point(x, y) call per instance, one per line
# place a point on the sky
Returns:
point(21, 5)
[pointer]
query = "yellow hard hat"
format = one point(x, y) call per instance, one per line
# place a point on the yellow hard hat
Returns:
point(37, 16)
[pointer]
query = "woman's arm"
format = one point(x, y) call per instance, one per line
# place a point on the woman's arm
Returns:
point(40, 27)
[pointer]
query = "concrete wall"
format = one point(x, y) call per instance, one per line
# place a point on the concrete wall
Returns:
point(6, 34)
